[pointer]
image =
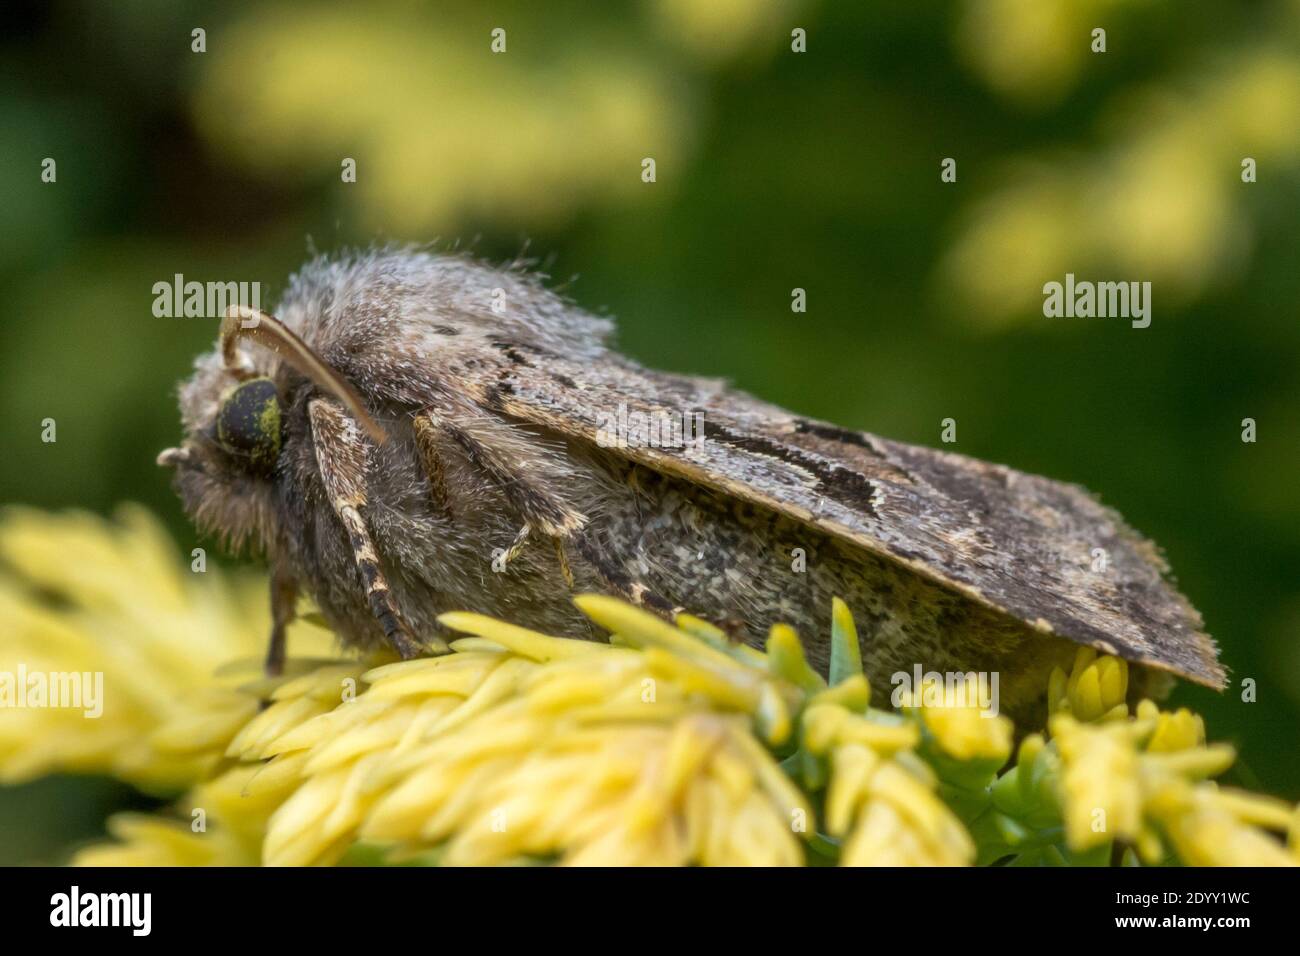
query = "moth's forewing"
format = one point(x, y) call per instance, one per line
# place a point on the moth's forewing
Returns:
point(1045, 552)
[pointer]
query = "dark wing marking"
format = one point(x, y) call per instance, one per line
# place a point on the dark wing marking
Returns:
point(1014, 542)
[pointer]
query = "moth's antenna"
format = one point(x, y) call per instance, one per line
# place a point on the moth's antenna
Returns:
point(243, 323)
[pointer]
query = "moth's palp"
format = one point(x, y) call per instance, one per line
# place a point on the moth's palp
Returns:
point(171, 457)
point(241, 322)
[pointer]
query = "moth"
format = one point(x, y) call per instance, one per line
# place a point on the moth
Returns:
point(415, 433)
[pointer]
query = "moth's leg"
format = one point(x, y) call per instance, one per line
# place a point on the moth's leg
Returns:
point(426, 445)
point(284, 598)
point(490, 447)
point(521, 538)
point(341, 455)
point(564, 562)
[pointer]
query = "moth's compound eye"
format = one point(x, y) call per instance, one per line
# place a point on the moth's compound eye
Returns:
point(248, 425)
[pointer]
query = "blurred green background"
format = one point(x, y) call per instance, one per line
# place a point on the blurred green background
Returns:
point(775, 170)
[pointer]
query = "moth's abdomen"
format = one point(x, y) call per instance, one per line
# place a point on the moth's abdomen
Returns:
point(737, 563)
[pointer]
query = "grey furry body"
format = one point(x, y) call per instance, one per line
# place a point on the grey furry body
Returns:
point(947, 562)
point(720, 559)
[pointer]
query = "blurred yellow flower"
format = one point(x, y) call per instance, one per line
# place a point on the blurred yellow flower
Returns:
point(80, 597)
point(881, 799)
point(1161, 200)
point(1143, 780)
point(968, 732)
point(1029, 50)
point(1100, 784)
point(524, 136)
point(725, 29)
point(1095, 689)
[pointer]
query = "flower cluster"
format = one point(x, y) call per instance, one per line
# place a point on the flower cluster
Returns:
point(672, 744)
point(1109, 784)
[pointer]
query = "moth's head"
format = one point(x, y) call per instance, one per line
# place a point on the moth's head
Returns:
point(248, 426)
point(234, 415)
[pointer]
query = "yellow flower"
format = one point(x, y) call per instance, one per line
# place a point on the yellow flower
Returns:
point(515, 746)
point(1145, 779)
point(1177, 730)
point(967, 732)
point(1101, 790)
point(152, 841)
point(1210, 827)
point(881, 799)
point(111, 604)
point(520, 745)
point(1095, 689)
point(670, 745)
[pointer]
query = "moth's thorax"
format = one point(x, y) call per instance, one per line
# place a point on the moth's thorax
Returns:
point(427, 306)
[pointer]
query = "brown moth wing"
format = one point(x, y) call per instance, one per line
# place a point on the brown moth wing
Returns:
point(1014, 542)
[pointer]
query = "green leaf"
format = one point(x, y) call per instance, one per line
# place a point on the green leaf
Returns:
point(785, 658)
point(846, 654)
